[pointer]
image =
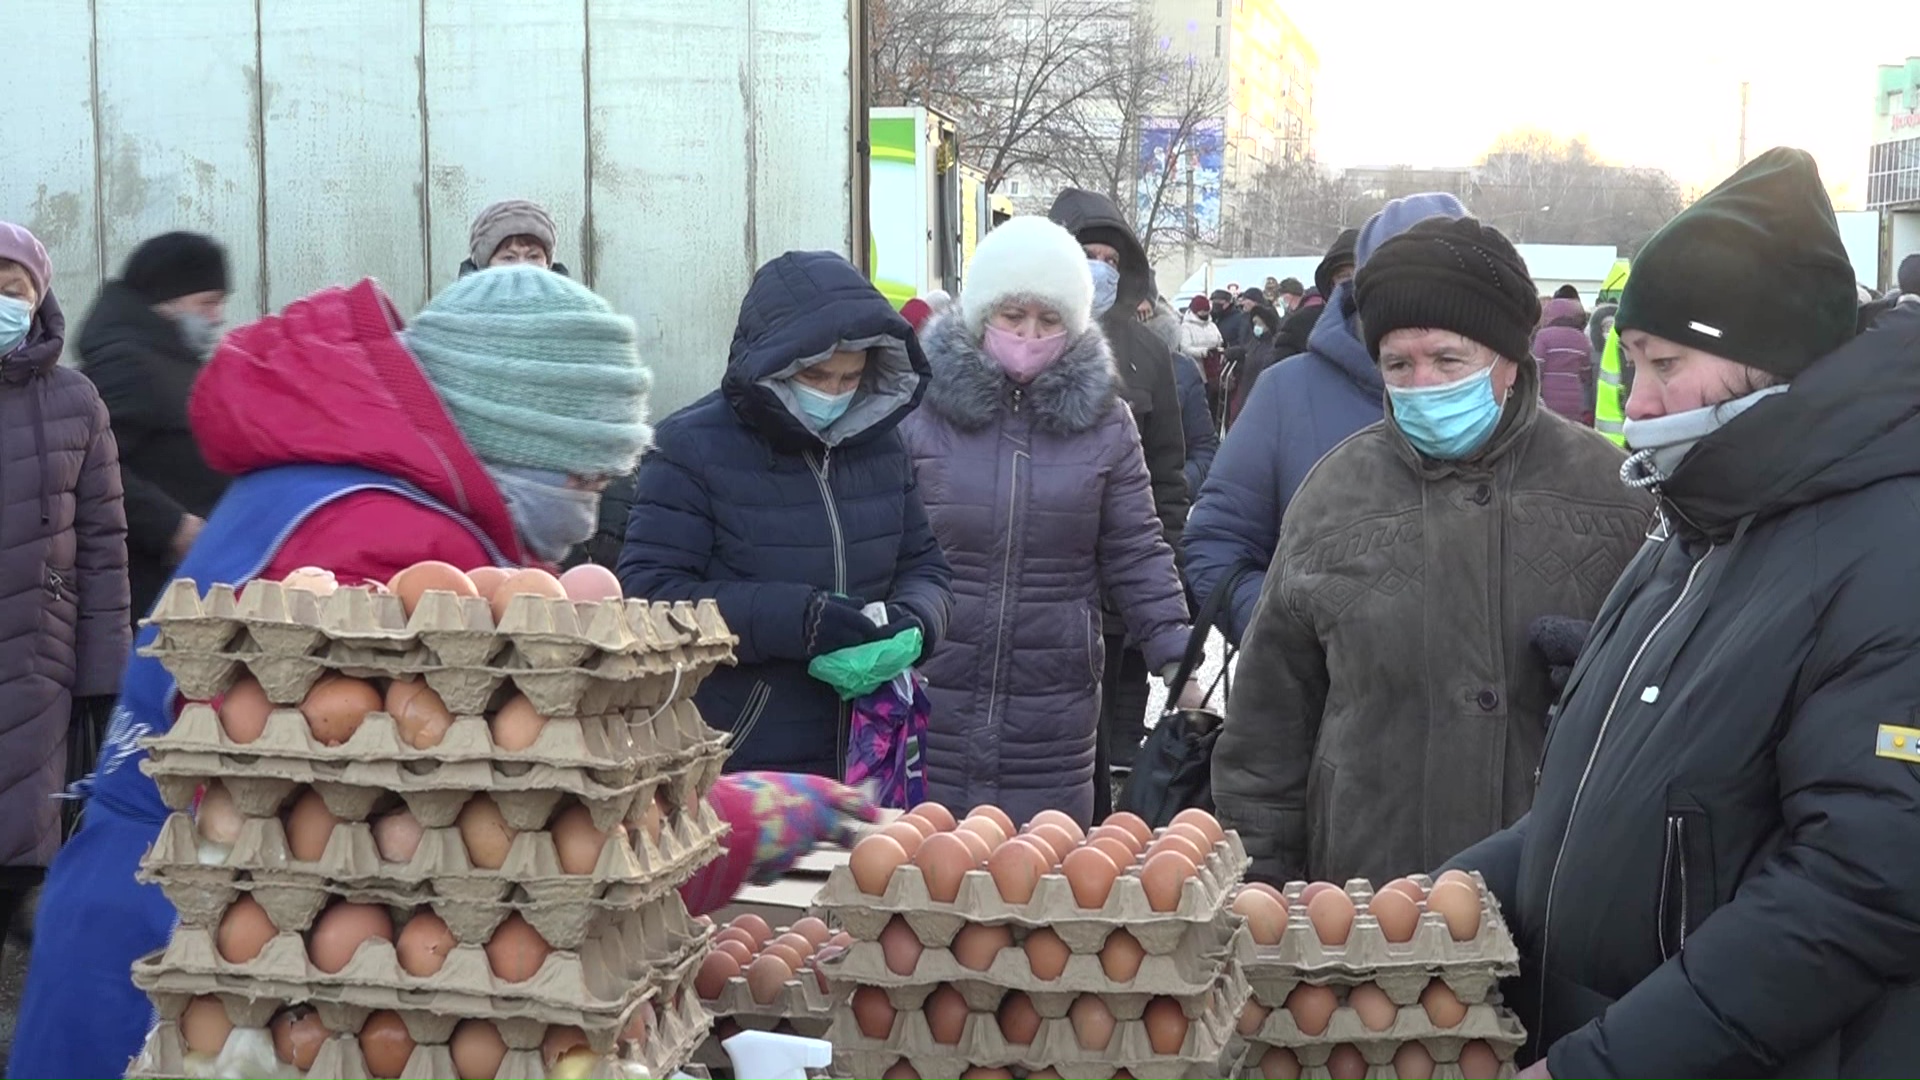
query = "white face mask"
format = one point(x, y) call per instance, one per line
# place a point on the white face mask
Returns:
point(1659, 445)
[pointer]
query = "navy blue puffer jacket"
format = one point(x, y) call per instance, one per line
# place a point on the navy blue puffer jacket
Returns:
point(742, 501)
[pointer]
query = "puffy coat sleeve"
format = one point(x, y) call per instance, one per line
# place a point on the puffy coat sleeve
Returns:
point(1261, 759)
point(922, 582)
point(1197, 420)
point(1830, 924)
point(670, 542)
point(105, 631)
point(1236, 521)
point(1136, 566)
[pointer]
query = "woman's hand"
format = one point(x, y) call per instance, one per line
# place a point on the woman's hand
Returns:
point(784, 815)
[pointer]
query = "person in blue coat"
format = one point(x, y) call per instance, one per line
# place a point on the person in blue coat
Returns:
point(1300, 409)
point(787, 497)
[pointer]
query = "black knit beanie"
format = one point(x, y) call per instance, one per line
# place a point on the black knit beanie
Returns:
point(1449, 274)
point(1755, 271)
point(1339, 257)
point(175, 264)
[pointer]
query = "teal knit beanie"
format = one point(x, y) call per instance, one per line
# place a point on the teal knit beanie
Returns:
point(536, 371)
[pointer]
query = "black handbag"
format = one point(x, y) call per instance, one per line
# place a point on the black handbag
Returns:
point(1175, 768)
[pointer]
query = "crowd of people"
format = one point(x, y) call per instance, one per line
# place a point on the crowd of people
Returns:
point(1658, 686)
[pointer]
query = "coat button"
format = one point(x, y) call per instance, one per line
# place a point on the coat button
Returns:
point(1488, 700)
point(1482, 494)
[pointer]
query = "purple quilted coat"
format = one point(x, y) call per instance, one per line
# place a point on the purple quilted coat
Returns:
point(64, 628)
point(1039, 496)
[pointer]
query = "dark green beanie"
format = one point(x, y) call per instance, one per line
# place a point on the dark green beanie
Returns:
point(1754, 271)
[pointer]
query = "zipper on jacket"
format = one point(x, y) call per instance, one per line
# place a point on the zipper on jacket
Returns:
point(1599, 740)
point(1006, 579)
point(1673, 878)
point(1666, 875)
point(55, 583)
point(750, 711)
point(842, 721)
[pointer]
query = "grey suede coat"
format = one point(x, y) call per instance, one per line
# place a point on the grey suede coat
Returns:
point(1040, 496)
point(1389, 710)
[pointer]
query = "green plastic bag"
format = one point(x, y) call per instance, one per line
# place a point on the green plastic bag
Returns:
point(861, 669)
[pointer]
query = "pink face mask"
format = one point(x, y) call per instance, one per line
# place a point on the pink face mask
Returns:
point(1022, 358)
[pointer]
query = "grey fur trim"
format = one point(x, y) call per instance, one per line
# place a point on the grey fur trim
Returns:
point(970, 391)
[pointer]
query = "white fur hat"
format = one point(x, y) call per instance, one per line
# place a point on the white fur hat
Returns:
point(1030, 257)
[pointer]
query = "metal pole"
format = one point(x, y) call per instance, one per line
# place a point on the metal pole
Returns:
point(1743, 122)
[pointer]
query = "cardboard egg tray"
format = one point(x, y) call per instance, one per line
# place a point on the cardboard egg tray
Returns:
point(1209, 953)
point(1083, 930)
point(1379, 1056)
point(802, 1008)
point(1056, 1045)
point(1228, 988)
point(1491, 1023)
point(676, 1026)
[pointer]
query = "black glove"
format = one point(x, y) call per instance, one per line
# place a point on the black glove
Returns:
point(835, 623)
point(1558, 639)
point(900, 619)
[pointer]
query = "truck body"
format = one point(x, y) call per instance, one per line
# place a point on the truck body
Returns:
point(928, 211)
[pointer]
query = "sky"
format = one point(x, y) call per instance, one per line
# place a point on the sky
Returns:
point(1647, 83)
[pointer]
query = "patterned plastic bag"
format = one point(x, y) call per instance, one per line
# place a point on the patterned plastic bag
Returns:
point(886, 753)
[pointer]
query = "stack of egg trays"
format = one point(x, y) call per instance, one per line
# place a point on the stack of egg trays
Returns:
point(1471, 969)
point(805, 1007)
point(1194, 955)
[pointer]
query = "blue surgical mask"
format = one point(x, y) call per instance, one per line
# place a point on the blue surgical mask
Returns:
point(200, 333)
point(821, 408)
point(15, 319)
point(1447, 422)
point(1259, 329)
point(551, 518)
point(1106, 286)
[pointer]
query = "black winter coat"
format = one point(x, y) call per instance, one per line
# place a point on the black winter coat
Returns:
point(145, 372)
point(1719, 874)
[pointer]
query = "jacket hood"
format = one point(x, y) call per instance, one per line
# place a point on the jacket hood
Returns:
point(1558, 312)
point(970, 391)
point(1333, 340)
point(800, 308)
point(328, 382)
point(1093, 218)
point(1596, 325)
point(40, 352)
point(122, 317)
point(1850, 420)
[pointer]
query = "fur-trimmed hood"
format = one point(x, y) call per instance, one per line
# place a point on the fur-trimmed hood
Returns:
point(970, 391)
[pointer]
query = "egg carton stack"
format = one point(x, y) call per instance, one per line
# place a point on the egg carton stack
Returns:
point(427, 844)
point(1358, 985)
point(1112, 955)
point(758, 978)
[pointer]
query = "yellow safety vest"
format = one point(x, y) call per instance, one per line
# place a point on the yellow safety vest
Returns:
point(1609, 415)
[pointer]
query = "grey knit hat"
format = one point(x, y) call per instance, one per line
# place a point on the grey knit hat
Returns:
point(513, 217)
point(536, 371)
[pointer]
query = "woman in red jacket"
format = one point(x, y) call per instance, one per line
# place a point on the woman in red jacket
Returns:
point(480, 436)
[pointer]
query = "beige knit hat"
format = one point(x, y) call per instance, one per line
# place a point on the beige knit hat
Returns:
point(513, 217)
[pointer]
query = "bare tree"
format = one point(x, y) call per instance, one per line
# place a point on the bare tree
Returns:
point(1294, 207)
point(1538, 189)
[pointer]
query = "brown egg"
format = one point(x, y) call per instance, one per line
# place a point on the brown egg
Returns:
point(1115, 832)
point(217, 817)
point(986, 829)
point(820, 960)
point(1331, 913)
point(340, 931)
point(787, 954)
point(1314, 889)
point(996, 815)
point(485, 832)
point(1041, 845)
point(1347, 1063)
point(1064, 820)
point(204, 1026)
point(1252, 1018)
point(576, 841)
point(309, 826)
point(1208, 825)
point(800, 943)
point(1376, 1010)
point(560, 1043)
point(337, 706)
point(900, 947)
point(1055, 837)
point(735, 933)
point(654, 817)
point(986, 1072)
point(908, 837)
point(1398, 915)
point(516, 726)
point(1266, 917)
point(873, 1012)
point(1166, 1026)
point(1477, 1059)
point(873, 862)
point(1412, 1062)
point(424, 945)
point(532, 581)
point(1090, 874)
point(1407, 887)
point(590, 582)
point(639, 1027)
point(842, 939)
point(767, 977)
point(419, 715)
point(1122, 956)
point(944, 861)
point(386, 1044)
point(1019, 1019)
point(486, 579)
point(813, 930)
point(1443, 1006)
point(244, 931)
point(1201, 841)
point(976, 844)
point(1460, 876)
point(1048, 1073)
point(1047, 955)
point(918, 824)
point(477, 1050)
point(741, 953)
point(1122, 856)
point(397, 835)
point(900, 1070)
point(516, 950)
point(298, 1036)
point(1182, 843)
point(1279, 1063)
point(947, 1014)
point(1312, 1007)
point(1163, 877)
point(1093, 1022)
point(417, 580)
point(936, 815)
point(1133, 823)
point(977, 945)
point(1261, 886)
point(243, 710)
point(1016, 870)
point(756, 928)
point(1460, 905)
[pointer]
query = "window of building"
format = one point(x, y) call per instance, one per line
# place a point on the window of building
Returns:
point(1219, 9)
point(1219, 34)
